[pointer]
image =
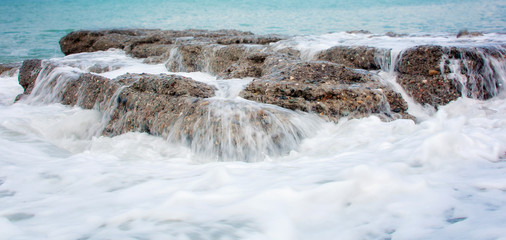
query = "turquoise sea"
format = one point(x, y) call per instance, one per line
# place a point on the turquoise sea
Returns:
point(32, 28)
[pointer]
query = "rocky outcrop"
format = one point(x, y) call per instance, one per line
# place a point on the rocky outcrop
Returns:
point(226, 53)
point(339, 82)
point(176, 108)
point(433, 75)
point(9, 69)
point(152, 42)
point(28, 72)
point(331, 90)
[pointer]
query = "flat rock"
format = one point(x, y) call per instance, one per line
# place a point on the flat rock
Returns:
point(328, 89)
point(436, 75)
point(362, 57)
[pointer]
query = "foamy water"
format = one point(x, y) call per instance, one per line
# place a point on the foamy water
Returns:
point(442, 178)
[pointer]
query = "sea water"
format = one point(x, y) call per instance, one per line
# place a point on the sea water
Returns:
point(443, 177)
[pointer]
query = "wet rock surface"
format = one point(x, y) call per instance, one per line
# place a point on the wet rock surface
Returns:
point(339, 82)
point(355, 57)
point(436, 75)
point(331, 90)
point(177, 108)
point(429, 73)
point(28, 72)
point(149, 42)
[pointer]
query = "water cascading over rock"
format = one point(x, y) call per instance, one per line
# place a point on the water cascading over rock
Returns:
point(285, 101)
point(432, 74)
point(177, 108)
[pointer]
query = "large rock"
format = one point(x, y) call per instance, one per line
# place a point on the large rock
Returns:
point(179, 109)
point(9, 69)
point(362, 57)
point(339, 82)
point(150, 42)
point(433, 75)
point(328, 89)
point(224, 61)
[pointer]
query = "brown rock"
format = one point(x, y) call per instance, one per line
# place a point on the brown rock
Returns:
point(28, 73)
point(330, 90)
point(181, 110)
point(420, 60)
point(9, 69)
point(434, 90)
point(473, 65)
point(465, 33)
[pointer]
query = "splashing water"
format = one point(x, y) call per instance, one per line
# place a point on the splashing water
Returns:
point(441, 178)
point(233, 128)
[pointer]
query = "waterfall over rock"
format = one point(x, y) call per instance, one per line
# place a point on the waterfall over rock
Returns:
point(284, 94)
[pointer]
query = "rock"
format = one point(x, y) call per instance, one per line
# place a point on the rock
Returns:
point(226, 53)
point(358, 32)
point(355, 57)
point(90, 41)
point(436, 75)
point(465, 33)
point(182, 111)
point(225, 61)
point(238, 62)
point(432, 74)
point(339, 82)
point(151, 42)
point(154, 103)
point(250, 39)
point(9, 69)
point(435, 90)
point(396, 35)
point(420, 60)
point(330, 90)
point(28, 72)
point(186, 58)
point(89, 91)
